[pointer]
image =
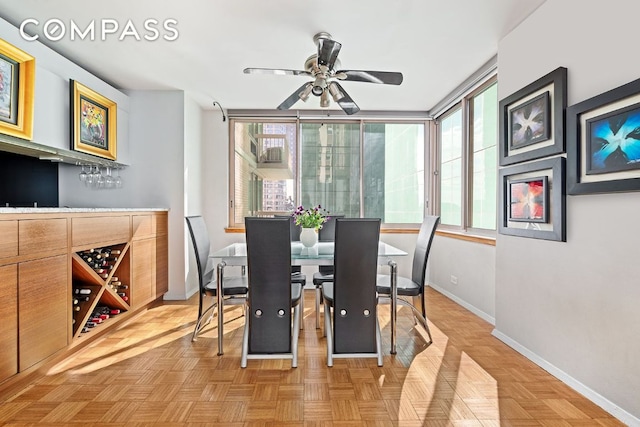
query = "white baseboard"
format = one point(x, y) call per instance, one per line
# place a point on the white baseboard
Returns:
point(475, 310)
point(596, 398)
point(170, 296)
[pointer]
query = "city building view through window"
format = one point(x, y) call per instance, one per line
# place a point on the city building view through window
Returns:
point(355, 169)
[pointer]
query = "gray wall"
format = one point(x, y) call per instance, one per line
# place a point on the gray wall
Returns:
point(573, 307)
point(475, 289)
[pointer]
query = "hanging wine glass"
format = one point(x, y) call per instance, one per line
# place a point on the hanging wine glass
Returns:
point(83, 174)
point(108, 179)
point(117, 181)
point(89, 178)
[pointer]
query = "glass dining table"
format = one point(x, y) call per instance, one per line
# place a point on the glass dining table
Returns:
point(322, 254)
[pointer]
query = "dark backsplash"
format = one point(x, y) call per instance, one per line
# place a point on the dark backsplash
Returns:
point(25, 180)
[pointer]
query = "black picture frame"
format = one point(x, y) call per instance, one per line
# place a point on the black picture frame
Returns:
point(540, 201)
point(552, 120)
point(554, 168)
point(582, 177)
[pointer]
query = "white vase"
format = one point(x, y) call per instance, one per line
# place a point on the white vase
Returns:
point(309, 237)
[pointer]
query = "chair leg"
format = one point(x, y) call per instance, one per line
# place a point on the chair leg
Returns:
point(297, 320)
point(378, 342)
point(245, 338)
point(424, 315)
point(328, 332)
point(301, 308)
point(318, 298)
point(199, 324)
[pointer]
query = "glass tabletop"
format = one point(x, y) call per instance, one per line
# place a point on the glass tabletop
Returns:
point(324, 252)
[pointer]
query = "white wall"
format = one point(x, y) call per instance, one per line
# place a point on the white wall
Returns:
point(574, 306)
point(193, 182)
point(156, 177)
point(476, 275)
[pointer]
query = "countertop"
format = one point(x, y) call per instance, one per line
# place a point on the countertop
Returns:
point(70, 210)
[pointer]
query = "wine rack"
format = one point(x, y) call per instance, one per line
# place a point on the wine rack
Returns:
point(100, 286)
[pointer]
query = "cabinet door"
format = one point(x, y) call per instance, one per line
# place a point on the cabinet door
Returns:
point(43, 304)
point(9, 323)
point(162, 265)
point(143, 286)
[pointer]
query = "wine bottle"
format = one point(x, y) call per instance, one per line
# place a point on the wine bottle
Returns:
point(76, 308)
point(85, 330)
point(82, 291)
point(75, 301)
point(116, 252)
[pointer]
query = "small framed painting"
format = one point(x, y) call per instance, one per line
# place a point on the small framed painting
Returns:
point(532, 200)
point(529, 199)
point(93, 122)
point(17, 82)
point(532, 120)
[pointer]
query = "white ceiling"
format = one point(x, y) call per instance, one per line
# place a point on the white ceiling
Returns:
point(436, 44)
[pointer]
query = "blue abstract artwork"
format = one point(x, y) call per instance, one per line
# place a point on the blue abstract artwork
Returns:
point(614, 141)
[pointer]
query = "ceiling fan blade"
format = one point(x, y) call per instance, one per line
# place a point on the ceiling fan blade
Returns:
point(346, 103)
point(328, 52)
point(294, 97)
point(277, 71)
point(381, 77)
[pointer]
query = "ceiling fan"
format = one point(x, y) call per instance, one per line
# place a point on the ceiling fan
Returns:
point(323, 67)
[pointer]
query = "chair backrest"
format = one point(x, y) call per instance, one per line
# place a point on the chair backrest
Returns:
point(328, 231)
point(328, 234)
point(269, 272)
point(423, 245)
point(201, 246)
point(293, 228)
point(354, 286)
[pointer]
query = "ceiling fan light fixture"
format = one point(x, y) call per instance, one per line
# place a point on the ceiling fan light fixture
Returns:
point(304, 95)
point(324, 100)
point(335, 92)
point(319, 86)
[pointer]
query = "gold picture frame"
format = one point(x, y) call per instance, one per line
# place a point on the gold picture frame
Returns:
point(17, 83)
point(93, 122)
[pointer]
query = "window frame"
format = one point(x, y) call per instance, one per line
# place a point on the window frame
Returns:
point(361, 121)
point(465, 105)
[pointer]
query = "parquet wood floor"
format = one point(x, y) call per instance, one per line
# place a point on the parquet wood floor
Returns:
point(148, 372)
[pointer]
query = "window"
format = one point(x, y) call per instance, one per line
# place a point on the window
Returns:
point(467, 136)
point(393, 184)
point(263, 169)
point(355, 168)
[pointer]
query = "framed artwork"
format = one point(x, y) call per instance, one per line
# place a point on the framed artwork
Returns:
point(603, 139)
point(93, 122)
point(528, 199)
point(532, 120)
point(17, 82)
point(532, 200)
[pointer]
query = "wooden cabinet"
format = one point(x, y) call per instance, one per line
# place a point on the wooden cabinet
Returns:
point(8, 239)
point(9, 323)
point(40, 267)
point(43, 309)
point(143, 285)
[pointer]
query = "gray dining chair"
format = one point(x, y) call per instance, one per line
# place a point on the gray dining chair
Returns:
point(413, 287)
point(234, 288)
point(325, 272)
point(296, 270)
point(273, 317)
point(350, 301)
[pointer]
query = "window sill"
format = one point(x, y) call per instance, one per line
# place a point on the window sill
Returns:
point(484, 240)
